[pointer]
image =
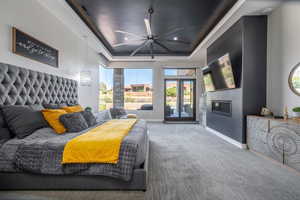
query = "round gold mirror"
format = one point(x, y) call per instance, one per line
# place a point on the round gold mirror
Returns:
point(294, 79)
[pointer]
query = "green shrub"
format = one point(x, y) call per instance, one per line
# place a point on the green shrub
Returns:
point(296, 109)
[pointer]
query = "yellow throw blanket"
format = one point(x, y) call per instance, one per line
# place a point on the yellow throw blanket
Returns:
point(99, 145)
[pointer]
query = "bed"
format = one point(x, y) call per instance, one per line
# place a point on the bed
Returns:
point(34, 162)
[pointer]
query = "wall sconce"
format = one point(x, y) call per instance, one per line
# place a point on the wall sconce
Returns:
point(85, 78)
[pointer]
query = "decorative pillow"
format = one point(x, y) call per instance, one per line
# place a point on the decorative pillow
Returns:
point(131, 116)
point(4, 131)
point(72, 109)
point(2, 121)
point(52, 117)
point(103, 116)
point(117, 113)
point(73, 122)
point(54, 106)
point(4, 135)
point(89, 118)
point(62, 105)
point(51, 106)
point(36, 107)
point(71, 104)
point(23, 121)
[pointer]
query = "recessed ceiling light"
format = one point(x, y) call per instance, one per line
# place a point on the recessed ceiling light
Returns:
point(125, 38)
point(175, 38)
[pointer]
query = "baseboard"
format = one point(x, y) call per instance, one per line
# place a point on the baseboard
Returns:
point(227, 139)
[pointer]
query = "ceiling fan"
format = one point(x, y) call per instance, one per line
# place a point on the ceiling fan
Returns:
point(150, 39)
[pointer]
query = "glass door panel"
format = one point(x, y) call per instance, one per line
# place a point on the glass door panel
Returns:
point(171, 99)
point(187, 99)
point(180, 99)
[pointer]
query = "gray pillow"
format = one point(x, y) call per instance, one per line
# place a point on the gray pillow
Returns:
point(23, 121)
point(89, 118)
point(62, 105)
point(2, 121)
point(73, 122)
point(54, 106)
point(51, 106)
point(36, 107)
point(72, 104)
point(4, 135)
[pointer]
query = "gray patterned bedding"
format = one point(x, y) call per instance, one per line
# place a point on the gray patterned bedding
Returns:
point(41, 153)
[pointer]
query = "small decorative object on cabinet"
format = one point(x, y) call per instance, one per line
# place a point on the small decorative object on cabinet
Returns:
point(275, 138)
point(266, 112)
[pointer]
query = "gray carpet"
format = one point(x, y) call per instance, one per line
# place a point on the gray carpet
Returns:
point(189, 163)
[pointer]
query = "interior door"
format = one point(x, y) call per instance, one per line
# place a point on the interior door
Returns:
point(180, 100)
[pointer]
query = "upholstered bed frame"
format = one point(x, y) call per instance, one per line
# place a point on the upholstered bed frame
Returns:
point(19, 86)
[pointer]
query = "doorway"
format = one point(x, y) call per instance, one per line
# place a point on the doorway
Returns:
point(180, 98)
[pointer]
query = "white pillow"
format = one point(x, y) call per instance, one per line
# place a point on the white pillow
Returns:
point(103, 116)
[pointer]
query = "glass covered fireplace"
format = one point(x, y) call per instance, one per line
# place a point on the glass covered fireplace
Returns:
point(221, 107)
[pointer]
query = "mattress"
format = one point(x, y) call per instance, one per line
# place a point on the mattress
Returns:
point(41, 153)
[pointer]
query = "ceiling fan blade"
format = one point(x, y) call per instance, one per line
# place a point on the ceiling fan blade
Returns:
point(148, 27)
point(175, 41)
point(132, 34)
point(129, 42)
point(162, 46)
point(176, 30)
point(139, 48)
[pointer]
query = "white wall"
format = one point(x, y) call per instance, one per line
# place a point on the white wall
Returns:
point(157, 114)
point(283, 55)
point(30, 17)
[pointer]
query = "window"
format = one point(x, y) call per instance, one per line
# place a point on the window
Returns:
point(180, 72)
point(105, 88)
point(138, 89)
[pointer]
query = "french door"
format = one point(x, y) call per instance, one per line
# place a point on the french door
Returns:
point(180, 98)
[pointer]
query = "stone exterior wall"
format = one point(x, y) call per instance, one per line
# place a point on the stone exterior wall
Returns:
point(118, 88)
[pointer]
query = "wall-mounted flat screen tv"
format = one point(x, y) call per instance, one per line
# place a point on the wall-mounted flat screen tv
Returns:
point(219, 75)
point(208, 82)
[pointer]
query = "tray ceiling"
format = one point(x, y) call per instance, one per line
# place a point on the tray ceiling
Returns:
point(188, 20)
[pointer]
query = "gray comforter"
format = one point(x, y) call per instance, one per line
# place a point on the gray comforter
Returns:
point(42, 151)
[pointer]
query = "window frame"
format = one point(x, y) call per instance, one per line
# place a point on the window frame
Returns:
point(152, 89)
point(112, 98)
point(180, 76)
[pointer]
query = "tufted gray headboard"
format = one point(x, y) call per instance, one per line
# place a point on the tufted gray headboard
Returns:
point(19, 86)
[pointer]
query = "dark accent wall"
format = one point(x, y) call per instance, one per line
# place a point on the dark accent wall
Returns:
point(246, 42)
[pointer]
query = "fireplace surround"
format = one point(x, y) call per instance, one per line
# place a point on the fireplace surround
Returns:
point(226, 110)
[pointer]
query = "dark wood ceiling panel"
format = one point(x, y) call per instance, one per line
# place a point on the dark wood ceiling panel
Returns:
point(194, 18)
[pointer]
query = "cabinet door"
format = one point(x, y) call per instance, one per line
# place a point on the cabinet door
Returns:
point(257, 130)
point(287, 138)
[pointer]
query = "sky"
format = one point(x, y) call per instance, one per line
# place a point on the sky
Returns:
point(131, 76)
